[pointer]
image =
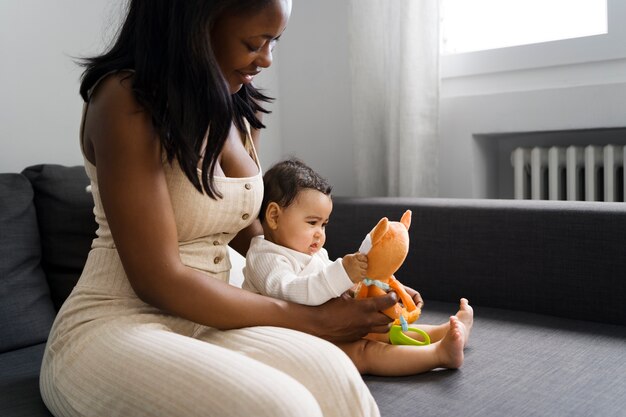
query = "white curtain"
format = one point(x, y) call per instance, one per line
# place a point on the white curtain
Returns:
point(394, 62)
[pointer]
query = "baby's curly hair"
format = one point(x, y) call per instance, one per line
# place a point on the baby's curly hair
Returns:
point(284, 180)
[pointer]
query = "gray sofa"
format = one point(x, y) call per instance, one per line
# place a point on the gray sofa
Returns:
point(547, 282)
point(46, 229)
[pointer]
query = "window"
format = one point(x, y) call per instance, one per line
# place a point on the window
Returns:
point(475, 25)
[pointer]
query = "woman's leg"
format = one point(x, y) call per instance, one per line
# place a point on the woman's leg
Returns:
point(147, 370)
point(323, 369)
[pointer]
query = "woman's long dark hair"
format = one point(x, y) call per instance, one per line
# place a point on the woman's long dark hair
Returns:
point(177, 79)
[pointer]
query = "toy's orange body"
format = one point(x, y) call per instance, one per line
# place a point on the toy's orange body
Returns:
point(390, 246)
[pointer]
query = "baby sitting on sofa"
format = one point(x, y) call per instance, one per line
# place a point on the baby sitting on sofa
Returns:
point(289, 262)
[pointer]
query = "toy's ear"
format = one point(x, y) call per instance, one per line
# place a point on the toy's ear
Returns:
point(380, 230)
point(271, 215)
point(406, 219)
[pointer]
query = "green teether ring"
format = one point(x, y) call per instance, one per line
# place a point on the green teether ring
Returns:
point(397, 337)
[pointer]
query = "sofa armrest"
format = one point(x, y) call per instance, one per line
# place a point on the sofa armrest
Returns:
point(66, 223)
point(559, 258)
point(26, 311)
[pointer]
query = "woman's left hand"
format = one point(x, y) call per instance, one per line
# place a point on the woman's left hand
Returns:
point(417, 298)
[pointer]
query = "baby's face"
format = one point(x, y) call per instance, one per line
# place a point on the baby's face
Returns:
point(302, 225)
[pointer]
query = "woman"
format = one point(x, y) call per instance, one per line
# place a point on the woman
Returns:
point(153, 327)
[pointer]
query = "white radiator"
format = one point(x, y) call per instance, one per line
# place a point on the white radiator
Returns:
point(585, 173)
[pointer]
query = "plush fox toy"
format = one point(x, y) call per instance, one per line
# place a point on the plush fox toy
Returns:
point(386, 247)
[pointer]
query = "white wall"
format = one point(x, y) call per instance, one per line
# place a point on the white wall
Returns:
point(39, 102)
point(490, 97)
point(474, 127)
point(315, 96)
point(40, 107)
point(580, 86)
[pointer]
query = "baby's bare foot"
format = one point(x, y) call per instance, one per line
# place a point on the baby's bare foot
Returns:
point(466, 316)
point(450, 348)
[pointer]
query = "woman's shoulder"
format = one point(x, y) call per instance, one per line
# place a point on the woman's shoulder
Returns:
point(115, 87)
point(116, 120)
point(113, 101)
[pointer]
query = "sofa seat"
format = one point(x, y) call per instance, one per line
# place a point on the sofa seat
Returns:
point(517, 364)
point(546, 280)
point(19, 385)
point(547, 283)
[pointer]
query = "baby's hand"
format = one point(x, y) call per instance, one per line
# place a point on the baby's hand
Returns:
point(355, 265)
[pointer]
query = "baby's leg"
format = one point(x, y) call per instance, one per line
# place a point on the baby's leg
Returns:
point(466, 315)
point(377, 358)
point(435, 331)
point(438, 332)
point(378, 337)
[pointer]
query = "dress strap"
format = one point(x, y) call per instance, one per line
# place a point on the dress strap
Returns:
point(249, 144)
point(86, 104)
point(95, 85)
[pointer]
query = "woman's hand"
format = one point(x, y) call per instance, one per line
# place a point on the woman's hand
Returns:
point(345, 319)
point(417, 298)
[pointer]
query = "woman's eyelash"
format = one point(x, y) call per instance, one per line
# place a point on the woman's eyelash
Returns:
point(253, 48)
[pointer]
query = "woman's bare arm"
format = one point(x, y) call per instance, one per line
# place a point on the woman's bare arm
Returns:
point(241, 242)
point(138, 208)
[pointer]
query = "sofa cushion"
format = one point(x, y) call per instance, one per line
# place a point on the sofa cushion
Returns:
point(66, 224)
point(26, 311)
point(561, 258)
point(19, 383)
point(516, 364)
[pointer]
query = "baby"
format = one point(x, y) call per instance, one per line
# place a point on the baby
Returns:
point(290, 262)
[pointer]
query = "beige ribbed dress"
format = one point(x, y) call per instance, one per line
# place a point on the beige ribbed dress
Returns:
point(111, 354)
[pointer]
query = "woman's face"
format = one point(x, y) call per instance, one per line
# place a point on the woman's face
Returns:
point(243, 44)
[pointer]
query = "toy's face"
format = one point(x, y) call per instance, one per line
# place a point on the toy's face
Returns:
point(388, 254)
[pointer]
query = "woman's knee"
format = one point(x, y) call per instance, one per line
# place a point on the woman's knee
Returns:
point(319, 366)
point(277, 397)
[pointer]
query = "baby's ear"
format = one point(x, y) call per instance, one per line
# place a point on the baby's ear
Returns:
point(272, 212)
point(379, 231)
